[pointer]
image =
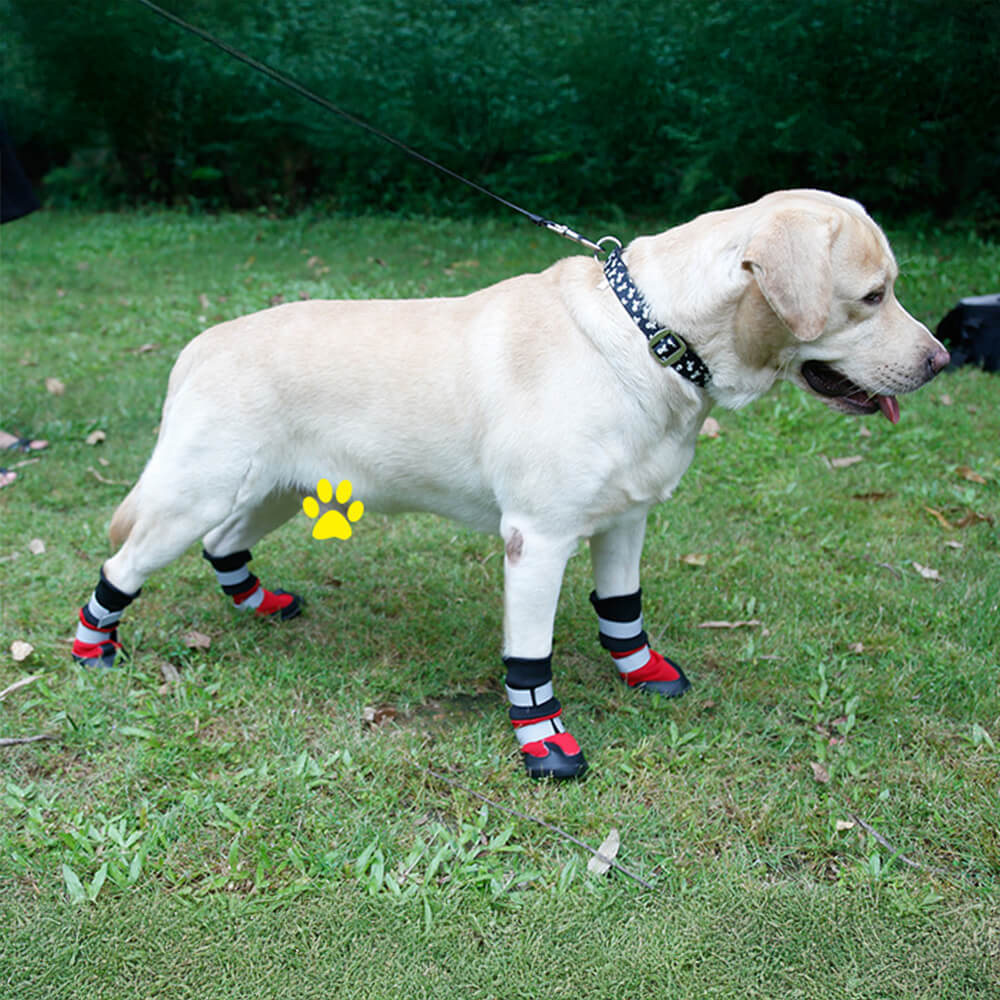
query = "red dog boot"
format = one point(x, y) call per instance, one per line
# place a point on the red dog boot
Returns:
point(246, 591)
point(96, 643)
point(621, 634)
point(95, 647)
point(547, 749)
point(654, 673)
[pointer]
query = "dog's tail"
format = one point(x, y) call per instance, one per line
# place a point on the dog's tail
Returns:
point(123, 520)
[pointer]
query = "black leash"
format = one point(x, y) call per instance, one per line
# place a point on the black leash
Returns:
point(286, 81)
point(666, 346)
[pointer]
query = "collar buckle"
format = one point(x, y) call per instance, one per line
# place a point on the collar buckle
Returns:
point(663, 354)
point(668, 348)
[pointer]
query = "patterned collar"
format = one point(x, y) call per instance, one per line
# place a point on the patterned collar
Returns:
point(669, 348)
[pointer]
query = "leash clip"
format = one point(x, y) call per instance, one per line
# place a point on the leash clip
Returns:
point(571, 234)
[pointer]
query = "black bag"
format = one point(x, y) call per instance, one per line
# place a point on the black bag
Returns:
point(971, 331)
point(16, 197)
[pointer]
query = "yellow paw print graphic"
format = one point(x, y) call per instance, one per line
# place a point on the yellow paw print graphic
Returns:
point(334, 523)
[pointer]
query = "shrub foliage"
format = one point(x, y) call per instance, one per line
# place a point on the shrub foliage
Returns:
point(558, 103)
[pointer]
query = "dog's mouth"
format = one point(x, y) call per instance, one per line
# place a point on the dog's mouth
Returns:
point(826, 381)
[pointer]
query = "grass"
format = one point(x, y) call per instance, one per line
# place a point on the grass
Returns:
point(819, 815)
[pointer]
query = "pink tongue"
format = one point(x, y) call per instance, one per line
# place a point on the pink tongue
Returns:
point(890, 407)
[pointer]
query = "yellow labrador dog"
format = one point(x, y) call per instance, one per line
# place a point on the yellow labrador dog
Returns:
point(549, 408)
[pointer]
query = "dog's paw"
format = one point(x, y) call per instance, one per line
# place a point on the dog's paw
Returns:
point(333, 523)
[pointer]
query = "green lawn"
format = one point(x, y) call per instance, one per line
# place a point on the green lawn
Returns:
point(818, 816)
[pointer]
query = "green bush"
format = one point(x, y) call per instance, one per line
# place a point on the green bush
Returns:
point(633, 103)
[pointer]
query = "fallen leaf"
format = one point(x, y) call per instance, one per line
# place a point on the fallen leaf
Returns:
point(820, 773)
point(20, 651)
point(864, 431)
point(196, 640)
point(856, 647)
point(55, 386)
point(146, 348)
point(748, 623)
point(36, 546)
point(695, 559)
point(966, 473)
point(845, 824)
point(461, 265)
point(926, 572)
point(170, 672)
point(846, 461)
point(940, 518)
point(600, 863)
point(945, 400)
point(872, 496)
point(973, 517)
point(375, 715)
point(96, 437)
point(952, 544)
point(204, 301)
point(710, 428)
point(171, 677)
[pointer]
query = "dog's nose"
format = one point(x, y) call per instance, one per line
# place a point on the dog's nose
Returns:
point(937, 361)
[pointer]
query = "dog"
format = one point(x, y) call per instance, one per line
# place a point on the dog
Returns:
point(548, 408)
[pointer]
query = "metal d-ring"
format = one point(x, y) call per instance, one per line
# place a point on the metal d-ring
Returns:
point(600, 248)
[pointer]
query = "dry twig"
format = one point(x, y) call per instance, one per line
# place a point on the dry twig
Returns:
point(868, 828)
point(17, 685)
point(540, 822)
point(16, 741)
point(104, 479)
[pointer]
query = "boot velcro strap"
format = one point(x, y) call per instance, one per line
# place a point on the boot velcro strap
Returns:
point(535, 713)
point(629, 645)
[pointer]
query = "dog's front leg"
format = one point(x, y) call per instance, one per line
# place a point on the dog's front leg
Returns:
point(617, 599)
point(534, 562)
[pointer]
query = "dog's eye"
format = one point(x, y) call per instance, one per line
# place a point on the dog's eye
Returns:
point(874, 298)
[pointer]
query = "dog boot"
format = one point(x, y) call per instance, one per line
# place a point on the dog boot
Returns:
point(246, 591)
point(548, 751)
point(621, 634)
point(96, 643)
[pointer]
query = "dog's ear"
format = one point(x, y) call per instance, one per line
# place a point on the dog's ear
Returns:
point(790, 258)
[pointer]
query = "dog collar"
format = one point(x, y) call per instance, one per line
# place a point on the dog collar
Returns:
point(669, 348)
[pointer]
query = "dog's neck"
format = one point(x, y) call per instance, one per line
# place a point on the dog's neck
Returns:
point(667, 346)
point(703, 295)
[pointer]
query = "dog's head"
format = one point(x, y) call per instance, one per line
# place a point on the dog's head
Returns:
point(824, 269)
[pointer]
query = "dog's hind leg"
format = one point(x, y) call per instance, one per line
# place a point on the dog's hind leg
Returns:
point(227, 548)
point(160, 528)
point(617, 599)
point(167, 511)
